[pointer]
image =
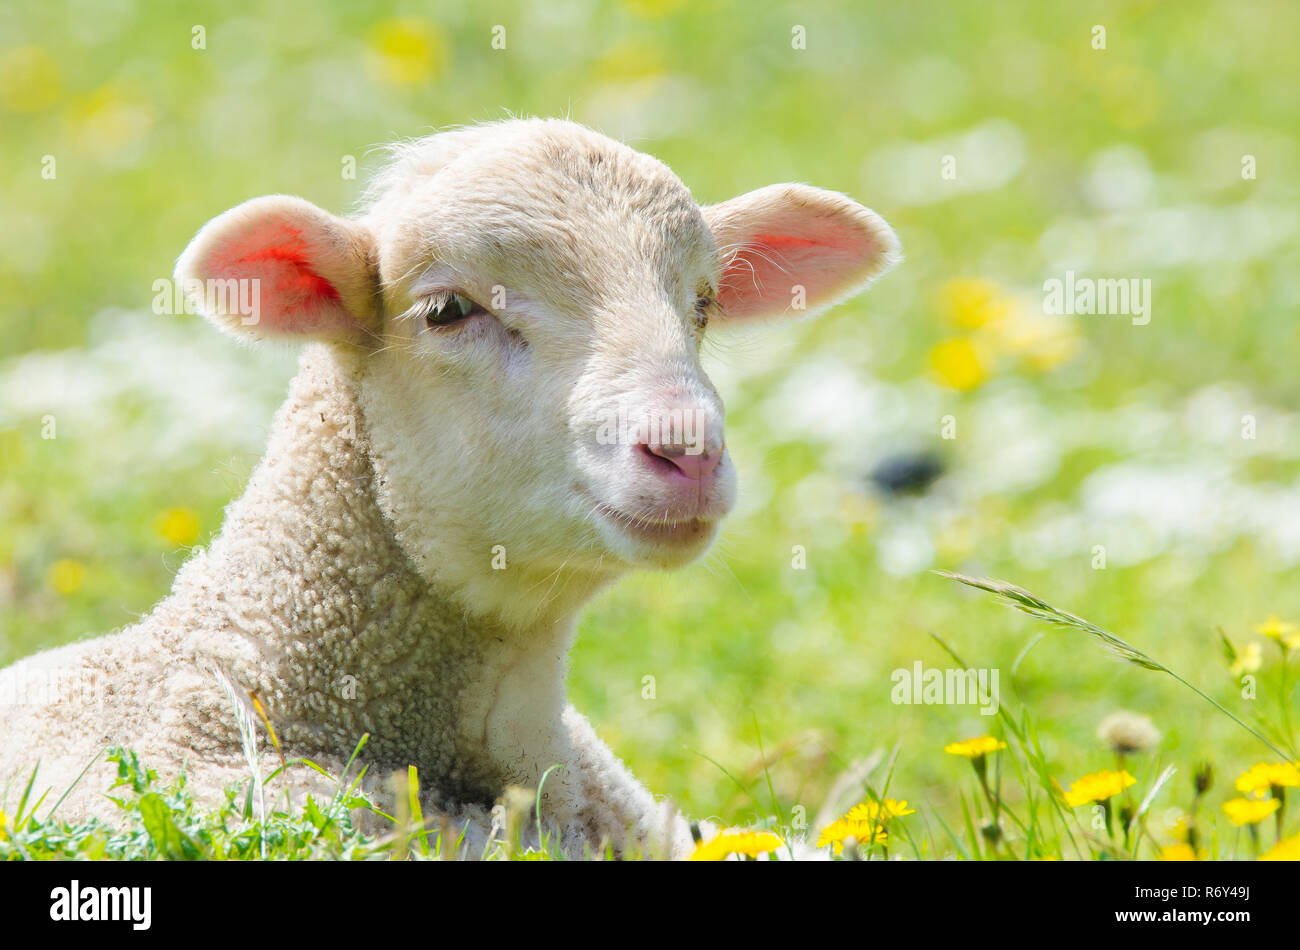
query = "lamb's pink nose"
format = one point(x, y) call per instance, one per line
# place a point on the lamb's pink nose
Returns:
point(696, 466)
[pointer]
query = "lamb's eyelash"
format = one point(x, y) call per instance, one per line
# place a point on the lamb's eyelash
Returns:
point(420, 310)
point(425, 305)
point(429, 306)
point(706, 303)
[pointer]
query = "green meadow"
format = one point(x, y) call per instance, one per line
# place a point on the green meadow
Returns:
point(1140, 470)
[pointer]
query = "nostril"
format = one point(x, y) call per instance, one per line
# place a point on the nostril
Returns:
point(675, 459)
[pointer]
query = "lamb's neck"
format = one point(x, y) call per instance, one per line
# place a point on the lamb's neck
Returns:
point(308, 601)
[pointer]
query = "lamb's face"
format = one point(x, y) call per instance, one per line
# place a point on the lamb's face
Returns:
point(545, 300)
point(530, 300)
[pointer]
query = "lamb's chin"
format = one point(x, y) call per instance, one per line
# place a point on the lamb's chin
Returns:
point(659, 544)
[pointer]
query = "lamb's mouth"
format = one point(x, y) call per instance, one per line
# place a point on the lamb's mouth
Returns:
point(681, 533)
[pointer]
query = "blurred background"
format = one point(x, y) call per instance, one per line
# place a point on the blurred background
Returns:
point(1144, 476)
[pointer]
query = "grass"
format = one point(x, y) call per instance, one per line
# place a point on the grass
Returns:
point(161, 822)
point(771, 693)
point(1106, 815)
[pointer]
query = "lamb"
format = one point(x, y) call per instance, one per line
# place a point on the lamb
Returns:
point(444, 486)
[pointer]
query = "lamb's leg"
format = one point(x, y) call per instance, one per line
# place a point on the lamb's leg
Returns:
point(615, 803)
point(611, 805)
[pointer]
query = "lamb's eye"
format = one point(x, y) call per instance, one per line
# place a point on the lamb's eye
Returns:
point(442, 310)
point(700, 318)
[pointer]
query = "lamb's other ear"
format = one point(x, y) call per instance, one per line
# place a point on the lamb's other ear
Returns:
point(794, 249)
point(303, 273)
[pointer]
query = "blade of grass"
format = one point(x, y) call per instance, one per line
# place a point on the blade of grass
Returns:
point(417, 813)
point(735, 781)
point(970, 831)
point(537, 806)
point(22, 802)
point(1034, 754)
point(1007, 719)
point(956, 841)
point(1020, 657)
point(1040, 609)
point(767, 772)
point(1145, 805)
point(879, 823)
point(68, 790)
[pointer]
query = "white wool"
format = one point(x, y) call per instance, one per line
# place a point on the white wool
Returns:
point(433, 508)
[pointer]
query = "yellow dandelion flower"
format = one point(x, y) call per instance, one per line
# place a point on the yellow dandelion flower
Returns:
point(628, 62)
point(1248, 659)
point(178, 526)
point(1288, 849)
point(4, 825)
point(652, 9)
point(736, 841)
point(67, 576)
point(842, 829)
point(863, 821)
point(971, 302)
point(974, 748)
point(958, 364)
point(1266, 775)
point(1276, 629)
point(29, 79)
point(1041, 342)
point(407, 50)
point(1098, 787)
point(111, 118)
point(1051, 349)
point(879, 812)
point(1250, 811)
point(1177, 852)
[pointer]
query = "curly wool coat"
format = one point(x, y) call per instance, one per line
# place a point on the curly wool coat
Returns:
point(352, 590)
point(306, 601)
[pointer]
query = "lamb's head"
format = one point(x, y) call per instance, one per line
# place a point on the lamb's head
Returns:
point(530, 299)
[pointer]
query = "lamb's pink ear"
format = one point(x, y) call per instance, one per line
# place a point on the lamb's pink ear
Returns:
point(279, 267)
point(794, 249)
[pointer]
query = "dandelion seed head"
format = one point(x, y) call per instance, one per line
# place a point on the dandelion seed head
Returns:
point(1127, 733)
